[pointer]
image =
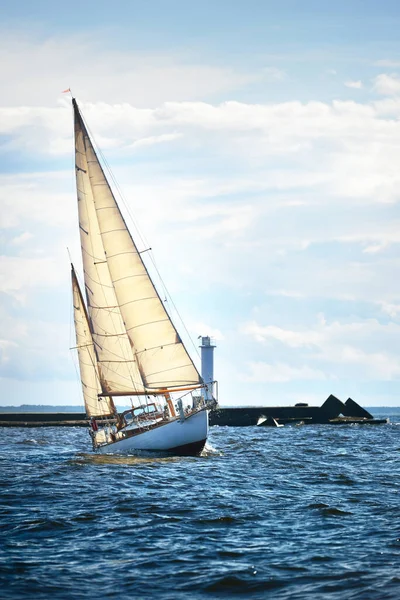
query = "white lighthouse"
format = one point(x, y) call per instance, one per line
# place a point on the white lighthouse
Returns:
point(207, 366)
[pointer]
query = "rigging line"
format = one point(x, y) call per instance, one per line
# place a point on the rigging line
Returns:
point(109, 335)
point(107, 308)
point(80, 346)
point(174, 305)
point(146, 324)
point(168, 370)
point(143, 241)
point(127, 355)
point(102, 331)
point(120, 360)
point(136, 226)
point(77, 371)
point(78, 377)
point(130, 277)
point(87, 364)
point(113, 315)
point(89, 387)
point(106, 364)
point(96, 282)
point(160, 347)
point(152, 259)
point(95, 258)
point(90, 145)
point(98, 150)
point(134, 252)
point(128, 346)
point(96, 370)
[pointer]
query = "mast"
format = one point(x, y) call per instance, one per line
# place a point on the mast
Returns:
point(159, 355)
point(94, 406)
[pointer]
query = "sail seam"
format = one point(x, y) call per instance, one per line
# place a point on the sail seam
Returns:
point(167, 370)
point(121, 253)
point(105, 331)
point(140, 300)
point(109, 334)
point(108, 287)
point(90, 255)
point(107, 207)
point(130, 277)
point(111, 230)
point(157, 348)
point(145, 324)
point(121, 359)
point(104, 307)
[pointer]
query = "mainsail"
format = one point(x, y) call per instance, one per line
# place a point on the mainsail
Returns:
point(91, 387)
point(137, 346)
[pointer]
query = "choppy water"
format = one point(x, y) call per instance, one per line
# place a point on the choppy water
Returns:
point(297, 512)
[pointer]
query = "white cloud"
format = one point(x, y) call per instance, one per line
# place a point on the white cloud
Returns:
point(33, 349)
point(390, 309)
point(387, 63)
point(261, 372)
point(281, 201)
point(293, 339)
point(22, 238)
point(361, 347)
point(387, 85)
point(357, 85)
point(6, 347)
point(376, 365)
point(350, 148)
point(38, 69)
point(46, 197)
point(286, 293)
point(155, 139)
point(202, 329)
point(21, 274)
point(374, 249)
point(56, 391)
point(273, 74)
point(251, 214)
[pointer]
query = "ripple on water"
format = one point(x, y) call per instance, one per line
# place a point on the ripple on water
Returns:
point(236, 584)
point(293, 513)
point(335, 512)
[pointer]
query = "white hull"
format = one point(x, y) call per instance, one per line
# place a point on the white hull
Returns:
point(180, 437)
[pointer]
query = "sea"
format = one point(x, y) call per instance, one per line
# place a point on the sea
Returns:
point(297, 512)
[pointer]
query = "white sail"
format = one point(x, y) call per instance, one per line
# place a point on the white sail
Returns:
point(117, 364)
point(161, 356)
point(94, 405)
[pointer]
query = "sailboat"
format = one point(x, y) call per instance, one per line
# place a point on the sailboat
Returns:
point(127, 344)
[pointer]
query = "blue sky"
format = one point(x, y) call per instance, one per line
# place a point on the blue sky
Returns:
point(256, 144)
